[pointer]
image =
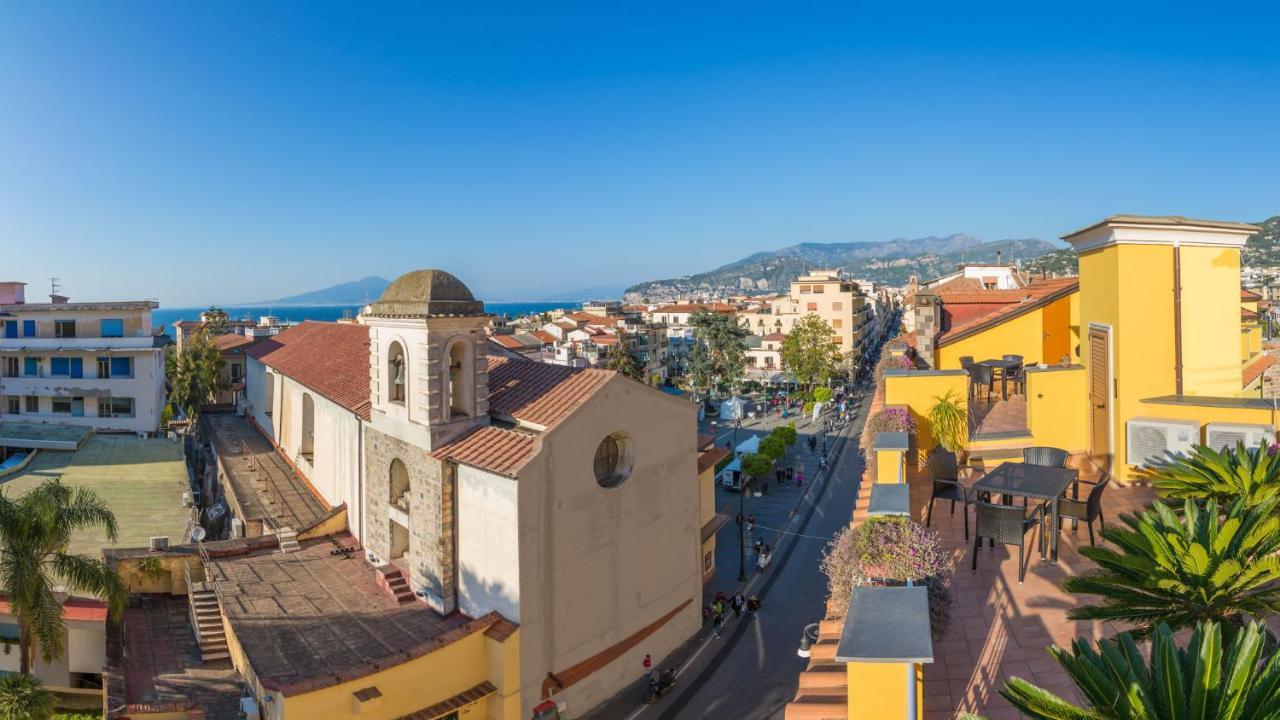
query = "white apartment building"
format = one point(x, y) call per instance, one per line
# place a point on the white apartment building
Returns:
point(825, 293)
point(96, 363)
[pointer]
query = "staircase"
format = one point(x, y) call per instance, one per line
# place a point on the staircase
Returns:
point(288, 539)
point(206, 619)
point(392, 579)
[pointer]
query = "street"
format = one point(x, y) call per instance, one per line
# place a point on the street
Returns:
point(752, 671)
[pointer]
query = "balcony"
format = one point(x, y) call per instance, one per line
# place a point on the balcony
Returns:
point(44, 344)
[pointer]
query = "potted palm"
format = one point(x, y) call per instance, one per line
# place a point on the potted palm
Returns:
point(949, 425)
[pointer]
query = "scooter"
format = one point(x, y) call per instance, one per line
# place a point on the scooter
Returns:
point(659, 684)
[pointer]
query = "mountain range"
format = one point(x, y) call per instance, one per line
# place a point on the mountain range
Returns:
point(891, 262)
point(355, 292)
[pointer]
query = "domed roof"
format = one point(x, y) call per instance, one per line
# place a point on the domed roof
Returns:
point(426, 293)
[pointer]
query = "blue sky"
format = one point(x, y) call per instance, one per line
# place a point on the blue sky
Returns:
point(235, 151)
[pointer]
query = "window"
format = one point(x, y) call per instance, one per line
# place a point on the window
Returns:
point(31, 367)
point(613, 460)
point(399, 485)
point(33, 404)
point(112, 328)
point(10, 329)
point(28, 328)
point(237, 372)
point(806, 289)
point(308, 427)
point(12, 405)
point(837, 323)
point(122, 367)
point(11, 367)
point(64, 328)
point(819, 289)
point(812, 307)
point(837, 306)
point(115, 407)
point(62, 405)
point(459, 379)
point(104, 367)
point(66, 367)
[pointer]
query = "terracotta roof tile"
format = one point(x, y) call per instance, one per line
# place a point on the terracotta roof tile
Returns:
point(546, 337)
point(462, 699)
point(491, 448)
point(1255, 369)
point(234, 341)
point(775, 337)
point(508, 341)
point(73, 608)
point(1247, 315)
point(538, 393)
point(1247, 295)
point(329, 358)
point(964, 320)
point(709, 457)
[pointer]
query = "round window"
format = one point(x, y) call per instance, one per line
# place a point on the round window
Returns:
point(613, 460)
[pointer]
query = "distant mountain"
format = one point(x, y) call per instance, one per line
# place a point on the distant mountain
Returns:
point(356, 292)
point(1263, 247)
point(891, 262)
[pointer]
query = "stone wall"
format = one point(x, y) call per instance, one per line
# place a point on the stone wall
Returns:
point(430, 560)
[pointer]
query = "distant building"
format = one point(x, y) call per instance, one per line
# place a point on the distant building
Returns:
point(837, 300)
point(86, 363)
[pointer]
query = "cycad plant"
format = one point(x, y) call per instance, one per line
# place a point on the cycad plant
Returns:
point(1203, 681)
point(23, 697)
point(1251, 474)
point(1184, 568)
point(949, 422)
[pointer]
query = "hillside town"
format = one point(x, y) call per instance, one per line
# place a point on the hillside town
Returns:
point(369, 518)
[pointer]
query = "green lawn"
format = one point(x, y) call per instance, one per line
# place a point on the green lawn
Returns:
point(141, 480)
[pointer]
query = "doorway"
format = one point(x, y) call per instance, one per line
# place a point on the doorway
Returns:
point(1100, 395)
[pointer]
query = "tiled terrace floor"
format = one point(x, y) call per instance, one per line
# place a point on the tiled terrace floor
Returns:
point(1000, 628)
point(998, 416)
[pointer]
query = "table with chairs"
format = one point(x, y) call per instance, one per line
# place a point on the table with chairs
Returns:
point(983, 374)
point(1048, 488)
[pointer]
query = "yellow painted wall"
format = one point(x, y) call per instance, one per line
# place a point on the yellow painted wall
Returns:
point(878, 691)
point(707, 494)
point(1210, 320)
point(1057, 407)
point(1056, 327)
point(918, 391)
point(1077, 335)
point(1206, 414)
point(1022, 335)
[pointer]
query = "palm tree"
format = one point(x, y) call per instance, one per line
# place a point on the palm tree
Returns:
point(1249, 473)
point(23, 697)
point(35, 530)
point(1182, 569)
point(1201, 682)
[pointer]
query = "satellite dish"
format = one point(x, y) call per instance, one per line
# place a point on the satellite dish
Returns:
point(197, 534)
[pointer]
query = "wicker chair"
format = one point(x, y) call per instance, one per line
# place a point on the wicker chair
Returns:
point(966, 362)
point(1088, 510)
point(980, 376)
point(944, 470)
point(1007, 525)
point(1015, 374)
point(1045, 456)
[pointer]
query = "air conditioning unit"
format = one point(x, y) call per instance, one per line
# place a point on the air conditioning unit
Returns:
point(160, 542)
point(237, 528)
point(1224, 436)
point(1150, 439)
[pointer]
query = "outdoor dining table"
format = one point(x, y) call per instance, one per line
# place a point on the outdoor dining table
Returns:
point(1004, 366)
point(1036, 482)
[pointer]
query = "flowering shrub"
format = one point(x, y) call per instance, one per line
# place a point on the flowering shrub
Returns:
point(892, 550)
point(890, 419)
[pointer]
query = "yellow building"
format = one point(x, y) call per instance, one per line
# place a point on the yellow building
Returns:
point(709, 455)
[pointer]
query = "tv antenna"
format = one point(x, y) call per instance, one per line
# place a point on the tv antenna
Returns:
point(55, 287)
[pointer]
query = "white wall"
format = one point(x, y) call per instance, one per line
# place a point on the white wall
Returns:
point(488, 544)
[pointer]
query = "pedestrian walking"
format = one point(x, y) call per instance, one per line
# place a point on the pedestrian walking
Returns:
point(718, 623)
point(751, 524)
point(706, 611)
point(800, 478)
point(778, 474)
point(753, 605)
point(791, 473)
point(648, 664)
point(739, 519)
point(738, 603)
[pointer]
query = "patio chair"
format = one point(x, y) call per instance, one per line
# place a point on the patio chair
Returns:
point(944, 470)
point(1045, 456)
point(1016, 374)
point(1007, 525)
point(966, 362)
point(981, 376)
point(1088, 510)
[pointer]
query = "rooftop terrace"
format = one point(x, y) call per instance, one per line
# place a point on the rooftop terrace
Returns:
point(265, 487)
point(310, 619)
point(142, 481)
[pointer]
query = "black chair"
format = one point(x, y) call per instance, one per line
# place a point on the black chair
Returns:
point(1045, 456)
point(966, 362)
point(1015, 374)
point(944, 470)
point(1088, 510)
point(1007, 525)
point(981, 376)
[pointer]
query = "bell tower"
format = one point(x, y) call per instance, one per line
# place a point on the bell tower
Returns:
point(427, 359)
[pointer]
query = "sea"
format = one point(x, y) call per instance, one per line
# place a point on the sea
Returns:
point(329, 313)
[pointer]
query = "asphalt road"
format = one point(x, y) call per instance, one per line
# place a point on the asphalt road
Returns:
point(754, 671)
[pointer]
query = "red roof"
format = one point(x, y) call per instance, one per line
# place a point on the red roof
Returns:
point(1247, 295)
point(775, 337)
point(709, 457)
point(967, 312)
point(491, 448)
point(73, 608)
point(696, 307)
point(233, 341)
point(508, 341)
point(1247, 315)
point(538, 393)
point(546, 337)
point(330, 358)
point(1254, 369)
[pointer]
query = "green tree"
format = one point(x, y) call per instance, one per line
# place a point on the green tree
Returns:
point(773, 447)
point(23, 697)
point(1201, 682)
point(1249, 473)
point(823, 394)
point(624, 363)
point(1182, 569)
point(756, 465)
point(723, 357)
point(216, 321)
point(35, 530)
point(809, 352)
point(787, 433)
point(195, 374)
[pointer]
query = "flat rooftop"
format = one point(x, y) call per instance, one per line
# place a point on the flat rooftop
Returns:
point(309, 619)
point(154, 664)
point(142, 481)
point(42, 436)
point(262, 483)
